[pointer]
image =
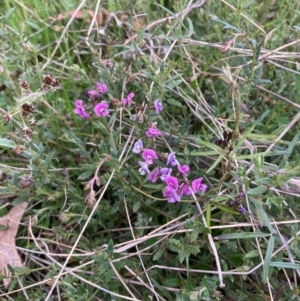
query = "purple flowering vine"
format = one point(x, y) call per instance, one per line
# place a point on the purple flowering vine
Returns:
point(175, 186)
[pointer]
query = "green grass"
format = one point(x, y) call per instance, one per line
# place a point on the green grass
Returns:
point(95, 228)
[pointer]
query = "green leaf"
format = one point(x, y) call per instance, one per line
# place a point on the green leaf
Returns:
point(174, 83)
point(246, 66)
point(172, 282)
point(193, 250)
point(261, 214)
point(268, 258)
point(13, 284)
point(191, 27)
point(251, 254)
point(172, 14)
point(226, 209)
point(285, 265)
point(110, 248)
point(136, 206)
point(257, 190)
point(175, 245)
point(215, 164)
point(208, 214)
point(182, 256)
point(291, 146)
point(209, 145)
point(149, 75)
point(86, 174)
point(262, 81)
point(8, 14)
point(297, 81)
point(158, 254)
point(7, 143)
point(243, 235)
point(226, 25)
point(204, 154)
point(22, 270)
point(174, 102)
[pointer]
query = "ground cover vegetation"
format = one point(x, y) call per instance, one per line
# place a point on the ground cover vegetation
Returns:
point(149, 150)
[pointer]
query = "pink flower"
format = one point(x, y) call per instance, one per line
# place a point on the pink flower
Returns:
point(149, 155)
point(95, 94)
point(185, 189)
point(92, 94)
point(153, 132)
point(128, 99)
point(184, 169)
point(101, 109)
point(101, 88)
point(153, 175)
point(79, 109)
point(172, 195)
point(198, 186)
point(172, 182)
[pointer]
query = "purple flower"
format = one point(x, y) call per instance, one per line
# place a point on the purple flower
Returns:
point(158, 106)
point(153, 132)
point(95, 94)
point(149, 155)
point(127, 100)
point(185, 189)
point(172, 159)
point(184, 169)
point(197, 185)
point(144, 168)
point(172, 195)
point(92, 94)
point(242, 210)
point(79, 109)
point(101, 88)
point(172, 182)
point(152, 177)
point(138, 146)
point(101, 109)
point(164, 173)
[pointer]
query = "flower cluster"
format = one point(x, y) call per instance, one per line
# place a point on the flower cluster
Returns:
point(101, 109)
point(176, 186)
